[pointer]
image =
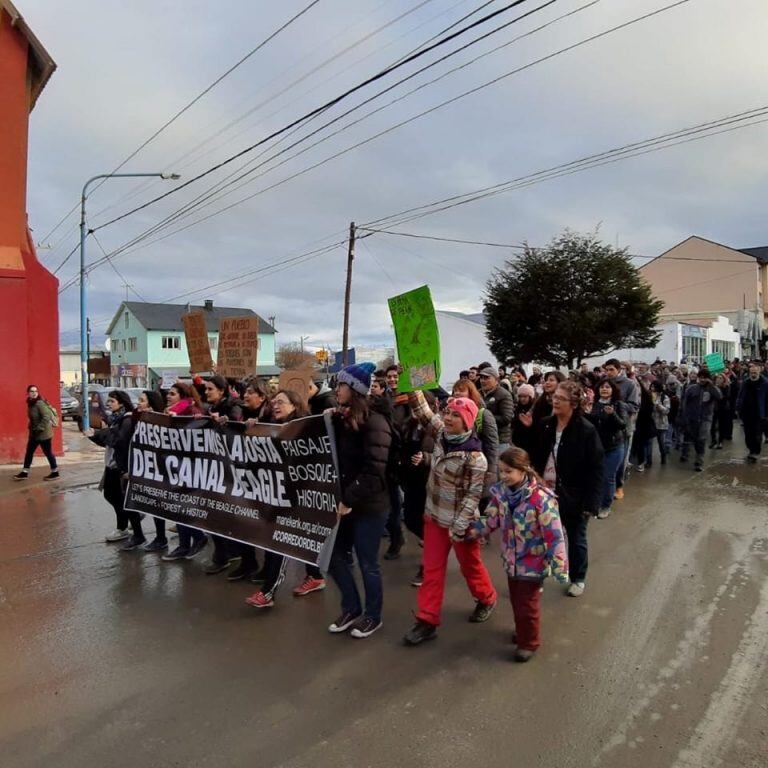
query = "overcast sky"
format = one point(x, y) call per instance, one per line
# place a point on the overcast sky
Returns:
point(125, 68)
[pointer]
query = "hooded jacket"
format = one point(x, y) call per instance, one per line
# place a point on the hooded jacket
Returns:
point(532, 540)
point(40, 424)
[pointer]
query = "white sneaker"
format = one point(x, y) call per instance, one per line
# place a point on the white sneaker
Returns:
point(603, 513)
point(576, 589)
point(116, 535)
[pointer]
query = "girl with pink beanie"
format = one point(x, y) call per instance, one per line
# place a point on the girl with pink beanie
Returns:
point(454, 488)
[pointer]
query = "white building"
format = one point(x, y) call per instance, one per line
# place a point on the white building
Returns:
point(691, 340)
point(463, 343)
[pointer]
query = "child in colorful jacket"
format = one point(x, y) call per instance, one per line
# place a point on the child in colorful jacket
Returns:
point(532, 546)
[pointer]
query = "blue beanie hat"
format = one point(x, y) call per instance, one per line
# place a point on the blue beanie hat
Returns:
point(358, 377)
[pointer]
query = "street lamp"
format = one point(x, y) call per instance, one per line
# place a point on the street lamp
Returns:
point(86, 422)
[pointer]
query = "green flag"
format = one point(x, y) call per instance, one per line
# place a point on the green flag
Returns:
point(417, 339)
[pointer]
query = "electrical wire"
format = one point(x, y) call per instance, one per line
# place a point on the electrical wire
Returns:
point(207, 198)
point(193, 102)
point(452, 100)
point(322, 108)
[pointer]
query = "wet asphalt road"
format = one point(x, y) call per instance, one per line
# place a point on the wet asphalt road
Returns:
point(115, 660)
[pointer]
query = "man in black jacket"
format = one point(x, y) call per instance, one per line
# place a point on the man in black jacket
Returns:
point(499, 402)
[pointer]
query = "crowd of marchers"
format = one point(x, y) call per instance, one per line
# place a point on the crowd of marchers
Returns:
point(535, 456)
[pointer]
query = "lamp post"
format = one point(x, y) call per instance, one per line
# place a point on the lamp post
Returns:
point(86, 421)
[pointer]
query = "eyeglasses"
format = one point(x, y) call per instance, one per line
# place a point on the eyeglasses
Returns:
point(560, 398)
point(281, 402)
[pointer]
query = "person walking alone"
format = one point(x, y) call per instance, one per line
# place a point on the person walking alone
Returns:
point(41, 417)
point(750, 407)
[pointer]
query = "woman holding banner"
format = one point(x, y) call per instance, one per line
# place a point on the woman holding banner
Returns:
point(285, 406)
point(223, 406)
point(116, 438)
point(363, 440)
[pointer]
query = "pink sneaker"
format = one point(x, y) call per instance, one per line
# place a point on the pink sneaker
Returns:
point(260, 600)
point(310, 584)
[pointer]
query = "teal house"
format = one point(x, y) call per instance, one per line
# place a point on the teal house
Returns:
point(147, 341)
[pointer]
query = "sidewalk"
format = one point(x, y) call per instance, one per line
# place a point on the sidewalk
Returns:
point(81, 465)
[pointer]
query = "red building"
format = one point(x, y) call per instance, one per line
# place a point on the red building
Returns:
point(29, 315)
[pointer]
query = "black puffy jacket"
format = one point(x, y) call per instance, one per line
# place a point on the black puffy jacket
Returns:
point(611, 428)
point(363, 461)
point(117, 436)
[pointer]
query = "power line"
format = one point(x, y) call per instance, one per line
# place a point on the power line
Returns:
point(322, 108)
point(205, 198)
point(192, 103)
point(441, 239)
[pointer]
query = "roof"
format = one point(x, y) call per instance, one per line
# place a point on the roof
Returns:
point(478, 317)
point(761, 253)
point(40, 63)
point(167, 317)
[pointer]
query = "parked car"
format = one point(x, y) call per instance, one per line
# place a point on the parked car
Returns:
point(70, 405)
point(97, 411)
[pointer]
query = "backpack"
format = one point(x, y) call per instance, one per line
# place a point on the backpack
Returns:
point(53, 415)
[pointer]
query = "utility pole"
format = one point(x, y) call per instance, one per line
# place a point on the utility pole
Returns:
point(87, 352)
point(302, 339)
point(348, 295)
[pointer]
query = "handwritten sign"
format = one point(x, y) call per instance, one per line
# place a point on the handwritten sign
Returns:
point(714, 362)
point(297, 381)
point(417, 338)
point(238, 345)
point(198, 346)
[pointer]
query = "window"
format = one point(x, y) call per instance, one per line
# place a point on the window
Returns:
point(694, 348)
point(171, 342)
point(126, 319)
point(133, 344)
point(213, 342)
point(115, 342)
point(123, 340)
point(726, 348)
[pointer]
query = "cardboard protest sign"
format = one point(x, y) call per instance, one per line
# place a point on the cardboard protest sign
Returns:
point(714, 362)
point(417, 338)
point(270, 485)
point(297, 381)
point(168, 379)
point(198, 346)
point(238, 346)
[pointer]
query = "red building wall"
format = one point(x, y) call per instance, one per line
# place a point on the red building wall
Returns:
point(29, 317)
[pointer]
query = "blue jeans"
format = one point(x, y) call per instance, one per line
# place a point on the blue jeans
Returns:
point(363, 533)
point(611, 462)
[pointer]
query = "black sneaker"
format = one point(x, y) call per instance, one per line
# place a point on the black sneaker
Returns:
point(522, 655)
point(196, 548)
point(177, 554)
point(481, 613)
point(212, 568)
point(344, 622)
point(698, 468)
point(134, 542)
point(420, 632)
point(238, 573)
point(418, 579)
point(53, 475)
point(156, 546)
point(364, 627)
point(23, 475)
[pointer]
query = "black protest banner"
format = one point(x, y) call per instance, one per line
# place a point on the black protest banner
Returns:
point(274, 486)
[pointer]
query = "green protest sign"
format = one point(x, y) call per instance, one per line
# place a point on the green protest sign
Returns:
point(714, 362)
point(417, 339)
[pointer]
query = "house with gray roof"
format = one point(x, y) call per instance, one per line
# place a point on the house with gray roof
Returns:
point(147, 342)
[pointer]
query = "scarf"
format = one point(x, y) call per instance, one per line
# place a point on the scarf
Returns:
point(458, 439)
point(466, 441)
point(513, 496)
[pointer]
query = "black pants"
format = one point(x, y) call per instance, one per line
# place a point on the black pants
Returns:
point(575, 524)
point(32, 444)
point(274, 572)
point(225, 549)
point(394, 525)
point(187, 535)
point(753, 435)
point(114, 493)
point(414, 501)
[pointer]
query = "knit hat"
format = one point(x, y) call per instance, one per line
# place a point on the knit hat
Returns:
point(526, 389)
point(358, 377)
point(465, 408)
